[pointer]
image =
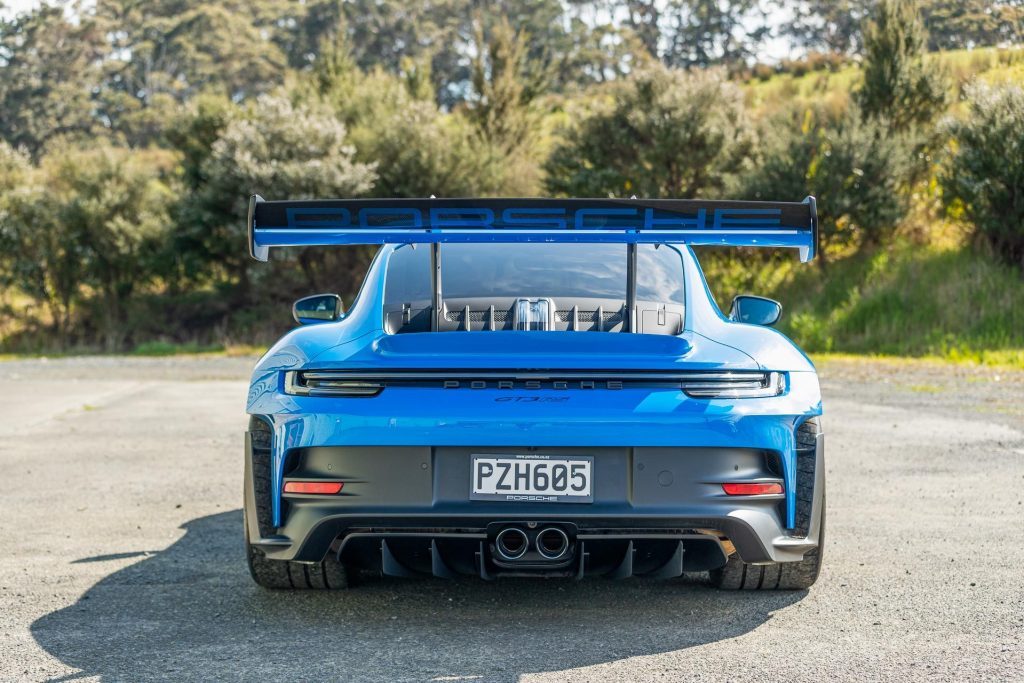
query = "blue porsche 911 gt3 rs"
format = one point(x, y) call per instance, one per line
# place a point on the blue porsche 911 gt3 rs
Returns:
point(534, 387)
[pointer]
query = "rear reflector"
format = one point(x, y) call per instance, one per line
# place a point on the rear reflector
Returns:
point(317, 487)
point(752, 489)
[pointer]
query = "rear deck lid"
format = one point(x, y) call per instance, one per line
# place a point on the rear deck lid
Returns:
point(533, 350)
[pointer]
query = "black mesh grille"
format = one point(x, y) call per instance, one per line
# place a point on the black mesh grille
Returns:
point(806, 440)
point(588, 317)
point(483, 317)
point(476, 316)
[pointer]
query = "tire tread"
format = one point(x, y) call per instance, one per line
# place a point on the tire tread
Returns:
point(737, 575)
point(328, 574)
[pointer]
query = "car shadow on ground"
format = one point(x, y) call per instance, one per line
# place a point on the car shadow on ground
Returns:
point(191, 612)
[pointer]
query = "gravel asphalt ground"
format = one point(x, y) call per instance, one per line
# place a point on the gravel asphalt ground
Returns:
point(120, 490)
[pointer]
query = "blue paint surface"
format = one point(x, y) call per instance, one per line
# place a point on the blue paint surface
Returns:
point(406, 416)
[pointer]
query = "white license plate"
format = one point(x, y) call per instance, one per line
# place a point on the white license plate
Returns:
point(532, 478)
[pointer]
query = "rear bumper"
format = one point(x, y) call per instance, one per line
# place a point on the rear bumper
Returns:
point(632, 417)
point(416, 497)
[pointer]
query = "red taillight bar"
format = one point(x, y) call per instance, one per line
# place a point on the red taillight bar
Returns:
point(327, 488)
point(758, 489)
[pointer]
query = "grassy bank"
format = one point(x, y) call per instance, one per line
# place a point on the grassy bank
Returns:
point(158, 349)
point(833, 87)
point(906, 300)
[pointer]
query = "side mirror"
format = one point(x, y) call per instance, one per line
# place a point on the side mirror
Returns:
point(319, 308)
point(756, 310)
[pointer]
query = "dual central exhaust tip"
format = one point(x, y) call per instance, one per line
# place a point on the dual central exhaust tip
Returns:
point(512, 543)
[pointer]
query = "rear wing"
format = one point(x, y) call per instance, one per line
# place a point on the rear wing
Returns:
point(631, 221)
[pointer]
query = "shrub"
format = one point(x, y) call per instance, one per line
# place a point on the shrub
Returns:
point(899, 85)
point(984, 180)
point(665, 134)
point(813, 61)
point(277, 149)
point(854, 168)
point(91, 218)
point(419, 150)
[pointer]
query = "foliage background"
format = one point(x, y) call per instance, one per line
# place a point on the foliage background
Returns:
point(132, 133)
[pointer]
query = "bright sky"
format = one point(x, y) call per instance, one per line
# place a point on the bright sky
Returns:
point(12, 7)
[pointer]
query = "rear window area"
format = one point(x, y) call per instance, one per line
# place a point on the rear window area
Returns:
point(535, 270)
point(576, 287)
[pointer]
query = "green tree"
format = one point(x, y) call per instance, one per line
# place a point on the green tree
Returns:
point(285, 150)
point(47, 72)
point(275, 149)
point(420, 150)
point(165, 52)
point(88, 218)
point(899, 86)
point(984, 180)
point(38, 255)
point(643, 18)
point(836, 25)
point(855, 169)
point(573, 42)
point(185, 259)
point(504, 89)
point(664, 133)
point(597, 51)
point(827, 25)
point(566, 50)
point(958, 24)
point(194, 131)
point(384, 33)
point(708, 32)
point(690, 33)
point(115, 204)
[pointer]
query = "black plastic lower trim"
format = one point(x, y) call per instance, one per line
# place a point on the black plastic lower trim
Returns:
point(450, 553)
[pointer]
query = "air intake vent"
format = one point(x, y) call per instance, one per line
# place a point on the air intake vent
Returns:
point(578, 320)
point(591, 317)
point(500, 317)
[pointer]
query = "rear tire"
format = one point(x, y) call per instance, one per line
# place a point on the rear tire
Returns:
point(786, 576)
point(328, 574)
point(738, 575)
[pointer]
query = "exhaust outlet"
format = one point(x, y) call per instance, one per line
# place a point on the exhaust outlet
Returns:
point(511, 543)
point(552, 543)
